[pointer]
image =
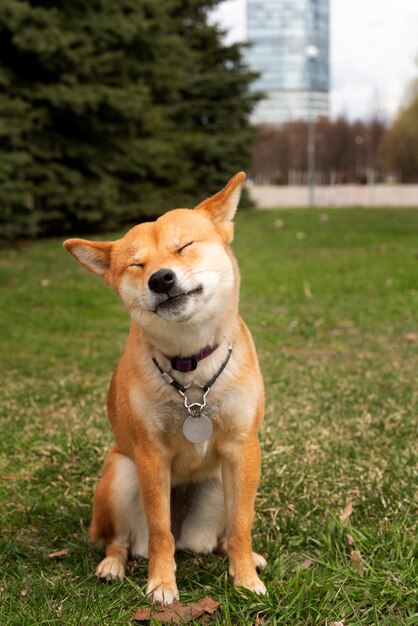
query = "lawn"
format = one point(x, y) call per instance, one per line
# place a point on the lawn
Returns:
point(332, 299)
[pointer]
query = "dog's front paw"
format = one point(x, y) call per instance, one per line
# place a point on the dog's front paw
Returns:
point(252, 583)
point(110, 568)
point(162, 592)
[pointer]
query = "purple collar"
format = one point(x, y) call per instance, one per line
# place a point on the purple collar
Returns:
point(189, 363)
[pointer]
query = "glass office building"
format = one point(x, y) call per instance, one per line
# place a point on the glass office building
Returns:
point(281, 34)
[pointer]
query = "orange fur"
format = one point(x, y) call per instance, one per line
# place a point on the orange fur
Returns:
point(131, 510)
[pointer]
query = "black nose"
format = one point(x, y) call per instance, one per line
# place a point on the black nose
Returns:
point(162, 281)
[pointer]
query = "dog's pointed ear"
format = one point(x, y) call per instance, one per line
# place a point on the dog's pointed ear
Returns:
point(223, 205)
point(95, 255)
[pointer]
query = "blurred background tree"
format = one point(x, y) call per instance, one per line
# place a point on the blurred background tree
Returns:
point(346, 152)
point(399, 150)
point(112, 110)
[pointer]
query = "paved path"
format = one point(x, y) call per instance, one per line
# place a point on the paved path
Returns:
point(273, 196)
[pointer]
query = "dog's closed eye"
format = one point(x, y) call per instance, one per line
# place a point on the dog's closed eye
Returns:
point(186, 245)
point(140, 265)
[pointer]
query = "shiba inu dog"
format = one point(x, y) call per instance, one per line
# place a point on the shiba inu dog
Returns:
point(185, 402)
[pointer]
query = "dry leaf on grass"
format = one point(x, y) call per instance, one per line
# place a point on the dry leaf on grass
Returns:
point(411, 337)
point(345, 515)
point(356, 561)
point(56, 555)
point(307, 290)
point(177, 612)
point(349, 540)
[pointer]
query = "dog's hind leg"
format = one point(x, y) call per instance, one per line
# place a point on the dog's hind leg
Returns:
point(202, 523)
point(118, 518)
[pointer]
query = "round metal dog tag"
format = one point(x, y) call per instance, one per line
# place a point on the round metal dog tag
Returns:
point(197, 429)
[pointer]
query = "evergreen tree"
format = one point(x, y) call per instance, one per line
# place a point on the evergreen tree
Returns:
point(112, 110)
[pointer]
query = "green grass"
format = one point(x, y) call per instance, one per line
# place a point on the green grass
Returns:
point(333, 305)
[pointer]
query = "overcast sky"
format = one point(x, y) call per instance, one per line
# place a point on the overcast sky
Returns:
point(374, 45)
